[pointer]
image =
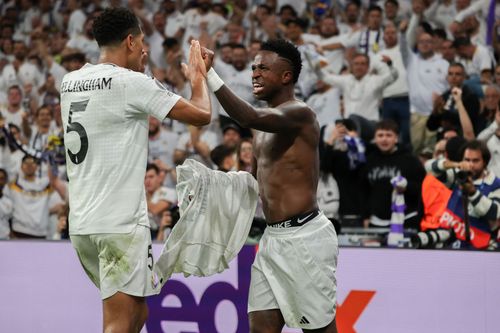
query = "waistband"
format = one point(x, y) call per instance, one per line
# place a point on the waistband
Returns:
point(295, 221)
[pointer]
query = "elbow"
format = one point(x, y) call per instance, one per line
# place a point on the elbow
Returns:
point(204, 119)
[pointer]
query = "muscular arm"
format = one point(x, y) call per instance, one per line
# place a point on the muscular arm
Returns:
point(197, 111)
point(289, 117)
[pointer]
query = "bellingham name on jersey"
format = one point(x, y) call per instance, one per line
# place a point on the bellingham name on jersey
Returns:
point(86, 85)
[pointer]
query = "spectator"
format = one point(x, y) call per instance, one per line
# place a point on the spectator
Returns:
point(370, 40)
point(490, 104)
point(395, 103)
point(196, 144)
point(30, 196)
point(491, 136)
point(385, 162)
point(325, 102)
point(84, 42)
point(161, 147)
point(445, 113)
point(159, 198)
point(330, 42)
point(362, 91)
point(476, 60)
point(156, 38)
point(6, 207)
point(174, 18)
point(312, 59)
point(426, 78)
point(245, 155)
point(224, 158)
point(231, 135)
point(20, 71)
point(448, 51)
point(342, 154)
point(482, 189)
point(11, 155)
point(14, 111)
point(199, 20)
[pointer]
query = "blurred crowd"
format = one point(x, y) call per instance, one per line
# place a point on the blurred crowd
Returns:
point(406, 93)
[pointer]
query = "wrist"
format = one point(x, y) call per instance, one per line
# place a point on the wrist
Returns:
point(214, 82)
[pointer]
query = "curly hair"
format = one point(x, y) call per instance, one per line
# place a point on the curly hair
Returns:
point(286, 50)
point(113, 25)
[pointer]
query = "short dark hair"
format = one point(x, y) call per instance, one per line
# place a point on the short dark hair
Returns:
point(375, 8)
point(219, 153)
point(170, 42)
point(461, 41)
point(453, 148)
point(238, 46)
point(394, 2)
point(387, 125)
point(297, 21)
point(441, 33)
point(154, 167)
point(457, 64)
point(288, 7)
point(113, 25)
point(478, 145)
point(286, 50)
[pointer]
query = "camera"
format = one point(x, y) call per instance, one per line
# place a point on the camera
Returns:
point(433, 239)
point(462, 176)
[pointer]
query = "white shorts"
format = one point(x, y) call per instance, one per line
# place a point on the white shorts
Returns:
point(119, 262)
point(294, 271)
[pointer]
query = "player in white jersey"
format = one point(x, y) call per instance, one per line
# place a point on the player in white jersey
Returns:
point(105, 109)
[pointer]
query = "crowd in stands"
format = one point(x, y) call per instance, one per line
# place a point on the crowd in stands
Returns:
point(401, 89)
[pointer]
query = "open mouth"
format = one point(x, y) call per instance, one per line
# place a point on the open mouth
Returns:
point(257, 88)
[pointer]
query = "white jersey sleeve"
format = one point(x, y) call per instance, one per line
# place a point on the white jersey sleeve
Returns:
point(146, 94)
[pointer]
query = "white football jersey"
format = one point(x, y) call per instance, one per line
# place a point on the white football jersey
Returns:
point(105, 111)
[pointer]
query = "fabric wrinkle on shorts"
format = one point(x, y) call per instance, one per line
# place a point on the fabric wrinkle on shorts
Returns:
point(294, 271)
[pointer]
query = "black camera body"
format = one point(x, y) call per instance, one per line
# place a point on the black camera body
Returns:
point(462, 177)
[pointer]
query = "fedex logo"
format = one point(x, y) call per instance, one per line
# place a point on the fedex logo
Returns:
point(219, 303)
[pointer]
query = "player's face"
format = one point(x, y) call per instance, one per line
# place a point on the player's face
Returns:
point(267, 73)
point(385, 140)
point(137, 53)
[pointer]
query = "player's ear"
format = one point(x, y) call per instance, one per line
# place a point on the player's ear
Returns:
point(287, 77)
point(129, 41)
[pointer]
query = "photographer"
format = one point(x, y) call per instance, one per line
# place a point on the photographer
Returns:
point(471, 178)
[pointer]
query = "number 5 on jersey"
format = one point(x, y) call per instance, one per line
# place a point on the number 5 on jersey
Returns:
point(74, 126)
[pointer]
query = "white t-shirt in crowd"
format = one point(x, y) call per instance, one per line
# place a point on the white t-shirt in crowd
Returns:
point(31, 205)
point(105, 111)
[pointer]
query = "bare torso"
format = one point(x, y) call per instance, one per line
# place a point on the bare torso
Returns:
point(287, 169)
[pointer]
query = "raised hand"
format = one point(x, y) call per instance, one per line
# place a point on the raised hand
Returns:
point(457, 94)
point(196, 65)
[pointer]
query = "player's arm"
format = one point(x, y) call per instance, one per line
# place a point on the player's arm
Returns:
point(197, 110)
point(290, 117)
point(273, 120)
